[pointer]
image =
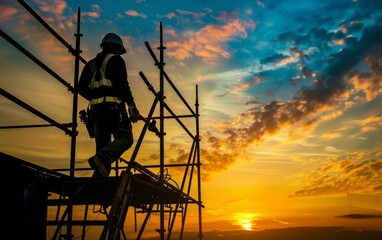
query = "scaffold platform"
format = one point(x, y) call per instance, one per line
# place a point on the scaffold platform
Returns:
point(30, 188)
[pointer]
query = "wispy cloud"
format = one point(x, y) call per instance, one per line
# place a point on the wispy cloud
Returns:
point(55, 13)
point(54, 6)
point(355, 172)
point(6, 13)
point(133, 13)
point(95, 13)
point(208, 43)
point(196, 16)
point(371, 123)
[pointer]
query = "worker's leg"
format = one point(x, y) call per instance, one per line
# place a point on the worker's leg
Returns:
point(123, 139)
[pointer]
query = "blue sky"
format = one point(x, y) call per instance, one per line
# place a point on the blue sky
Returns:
point(290, 93)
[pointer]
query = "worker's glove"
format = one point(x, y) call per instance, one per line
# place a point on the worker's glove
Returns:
point(133, 113)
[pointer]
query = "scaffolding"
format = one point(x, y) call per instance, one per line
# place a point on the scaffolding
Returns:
point(39, 191)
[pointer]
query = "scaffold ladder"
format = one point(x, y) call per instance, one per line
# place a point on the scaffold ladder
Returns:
point(118, 211)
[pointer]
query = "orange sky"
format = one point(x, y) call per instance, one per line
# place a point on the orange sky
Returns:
point(290, 131)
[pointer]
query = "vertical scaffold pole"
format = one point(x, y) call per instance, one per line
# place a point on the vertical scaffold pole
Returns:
point(198, 164)
point(161, 106)
point(77, 52)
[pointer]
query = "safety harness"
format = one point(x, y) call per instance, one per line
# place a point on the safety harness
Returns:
point(103, 82)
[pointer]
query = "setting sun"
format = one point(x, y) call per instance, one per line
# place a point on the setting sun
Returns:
point(246, 224)
point(246, 220)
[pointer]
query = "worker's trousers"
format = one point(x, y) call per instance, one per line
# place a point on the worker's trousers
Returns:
point(113, 131)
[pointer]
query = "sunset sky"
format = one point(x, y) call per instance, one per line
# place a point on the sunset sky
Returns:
point(290, 99)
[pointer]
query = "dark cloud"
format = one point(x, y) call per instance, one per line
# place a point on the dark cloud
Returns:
point(360, 216)
point(367, 9)
point(327, 89)
point(273, 58)
point(355, 26)
point(269, 118)
point(297, 52)
point(351, 40)
point(293, 38)
point(252, 102)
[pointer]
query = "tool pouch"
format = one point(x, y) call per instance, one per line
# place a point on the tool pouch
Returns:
point(86, 117)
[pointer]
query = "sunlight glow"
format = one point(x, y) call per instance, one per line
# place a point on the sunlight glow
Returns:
point(246, 220)
point(246, 224)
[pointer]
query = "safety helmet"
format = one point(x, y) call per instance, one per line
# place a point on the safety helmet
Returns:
point(112, 38)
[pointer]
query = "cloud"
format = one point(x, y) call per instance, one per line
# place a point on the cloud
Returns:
point(54, 15)
point(213, 161)
point(54, 6)
point(6, 13)
point(356, 172)
point(170, 32)
point(208, 43)
point(127, 43)
point(360, 216)
point(95, 13)
point(351, 27)
point(326, 99)
point(47, 45)
point(369, 82)
point(274, 58)
point(170, 15)
point(195, 15)
point(331, 135)
point(133, 13)
point(260, 4)
point(227, 16)
point(330, 87)
point(371, 123)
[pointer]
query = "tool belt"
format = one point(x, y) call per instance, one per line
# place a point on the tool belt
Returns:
point(104, 99)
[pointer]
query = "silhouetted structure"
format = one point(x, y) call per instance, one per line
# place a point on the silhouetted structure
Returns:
point(36, 192)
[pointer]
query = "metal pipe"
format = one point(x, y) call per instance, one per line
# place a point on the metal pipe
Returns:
point(188, 192)
point(181, 189)
point(34, 59)
point(140, 139)
point(165, 105)
point(73, 141)
point(34, 111)
point(54, 33)
point(145, 221)
point(35, 126)
point(198, 163)
point(177, 116)
point(168, 78)
point(161, 129)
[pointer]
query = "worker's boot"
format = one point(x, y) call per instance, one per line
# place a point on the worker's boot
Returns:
point(100, 170)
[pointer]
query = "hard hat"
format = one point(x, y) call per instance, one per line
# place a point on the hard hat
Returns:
point(112, 38)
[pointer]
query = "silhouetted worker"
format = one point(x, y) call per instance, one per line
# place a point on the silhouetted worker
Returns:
point(104, 83)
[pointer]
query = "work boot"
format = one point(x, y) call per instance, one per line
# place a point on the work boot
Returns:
point(99, 168)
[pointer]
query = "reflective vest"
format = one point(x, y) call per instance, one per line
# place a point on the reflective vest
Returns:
point(103, 82)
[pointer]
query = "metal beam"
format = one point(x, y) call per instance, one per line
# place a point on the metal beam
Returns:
point(34, 59)
point(151, 88)
point(34, 111)
point(54, 33)
point(168, 78)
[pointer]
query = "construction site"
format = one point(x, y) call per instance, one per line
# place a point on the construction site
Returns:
point(42, 203)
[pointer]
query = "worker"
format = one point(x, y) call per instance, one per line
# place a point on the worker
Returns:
point(104, 82)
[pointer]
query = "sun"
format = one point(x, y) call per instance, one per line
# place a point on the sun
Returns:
point(246, 224)
point(246, 220)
